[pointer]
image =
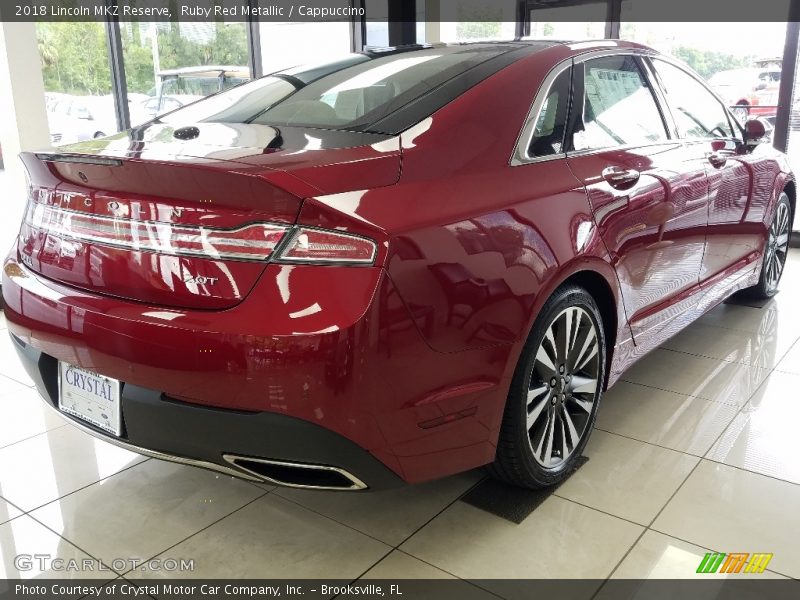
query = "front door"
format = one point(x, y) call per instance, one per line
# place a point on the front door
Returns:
point(649, 196)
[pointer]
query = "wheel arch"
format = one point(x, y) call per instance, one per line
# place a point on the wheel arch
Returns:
point(598, 288)
point(599, 279)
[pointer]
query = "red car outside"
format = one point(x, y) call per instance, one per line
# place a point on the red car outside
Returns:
point(391, 268)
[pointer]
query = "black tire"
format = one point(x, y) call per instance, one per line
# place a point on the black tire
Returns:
point(517, 461)
point(775, 251)
point(98, 134)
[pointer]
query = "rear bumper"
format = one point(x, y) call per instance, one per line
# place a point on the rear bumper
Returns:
point(259, 446)
point(310, 349)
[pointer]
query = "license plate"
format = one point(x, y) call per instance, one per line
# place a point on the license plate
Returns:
point(90, 397)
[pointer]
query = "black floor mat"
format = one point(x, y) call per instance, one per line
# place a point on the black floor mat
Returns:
point(509, 502)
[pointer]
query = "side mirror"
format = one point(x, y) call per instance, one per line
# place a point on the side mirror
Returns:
point(754, 132)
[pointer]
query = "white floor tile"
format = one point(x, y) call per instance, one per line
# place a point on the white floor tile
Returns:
point(275, 538)
point(731, 510)
point(560, 539)
point(763, 437)
point(764, 348)
point(659, 556)
point(8, 511)
point(627, 478)
point(144, 510)
point(751, 320)
point(43, 468)
point(684, 423)
point(24, 414)
point(399, 565)
point(690, 375)
point(24, 536)
point(791, 362)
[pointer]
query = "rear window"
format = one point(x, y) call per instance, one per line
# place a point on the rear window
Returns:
point(348, 96)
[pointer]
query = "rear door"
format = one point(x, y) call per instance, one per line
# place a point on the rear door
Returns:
point(706, 128)
point(648, 195)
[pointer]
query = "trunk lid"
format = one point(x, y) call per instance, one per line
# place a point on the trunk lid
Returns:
point(183, 223)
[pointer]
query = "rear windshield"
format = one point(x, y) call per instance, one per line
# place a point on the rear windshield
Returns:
point(350, 95)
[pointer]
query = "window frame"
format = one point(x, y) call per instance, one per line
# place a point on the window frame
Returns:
point(519, 155)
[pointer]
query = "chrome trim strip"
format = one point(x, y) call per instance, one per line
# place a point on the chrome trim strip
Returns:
point(357, 484)
point(240, 473)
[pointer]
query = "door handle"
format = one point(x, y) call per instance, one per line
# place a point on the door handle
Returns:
point(717, 159)
point(619, 178)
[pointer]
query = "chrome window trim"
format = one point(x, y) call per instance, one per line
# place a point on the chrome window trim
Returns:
point(520, 154)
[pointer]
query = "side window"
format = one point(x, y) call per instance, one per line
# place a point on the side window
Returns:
point(618, 106)
point(551, 124)
point(698, 114)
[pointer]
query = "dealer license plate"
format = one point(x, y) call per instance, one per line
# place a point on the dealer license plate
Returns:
point(90, 397)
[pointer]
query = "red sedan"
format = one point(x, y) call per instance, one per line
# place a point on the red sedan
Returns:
point(394, 267)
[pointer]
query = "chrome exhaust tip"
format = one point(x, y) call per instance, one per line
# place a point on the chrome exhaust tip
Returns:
point(296, 475)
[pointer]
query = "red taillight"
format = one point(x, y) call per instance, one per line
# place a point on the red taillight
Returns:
point(309, 245)
point(250, 242)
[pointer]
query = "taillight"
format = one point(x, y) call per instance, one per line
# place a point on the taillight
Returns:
point(310, 245)
point(250, 242)
point(256, 241)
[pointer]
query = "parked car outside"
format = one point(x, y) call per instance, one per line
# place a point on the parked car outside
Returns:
point(399, 266)
point(750, 91)
point(78, 118)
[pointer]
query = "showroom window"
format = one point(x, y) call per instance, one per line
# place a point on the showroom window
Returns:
point(793, 140)
point(169, 65)
point(569, 22)
point(331, 42)
point(473, 20)
point(77, 81)
point(745, 76)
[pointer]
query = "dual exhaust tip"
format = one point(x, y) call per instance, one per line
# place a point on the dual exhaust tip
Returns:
point(296, 475)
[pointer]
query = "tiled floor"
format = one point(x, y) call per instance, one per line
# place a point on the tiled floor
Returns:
point(696, 449)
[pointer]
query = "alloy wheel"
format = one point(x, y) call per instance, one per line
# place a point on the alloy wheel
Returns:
point(777, 246)
point(563, 388)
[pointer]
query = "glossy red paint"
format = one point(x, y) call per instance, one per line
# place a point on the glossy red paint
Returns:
point(410, 358)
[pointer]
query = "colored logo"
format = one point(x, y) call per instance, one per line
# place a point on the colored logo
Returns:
point(736, 562)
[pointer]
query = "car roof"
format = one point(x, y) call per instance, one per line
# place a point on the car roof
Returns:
point(578, 46)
